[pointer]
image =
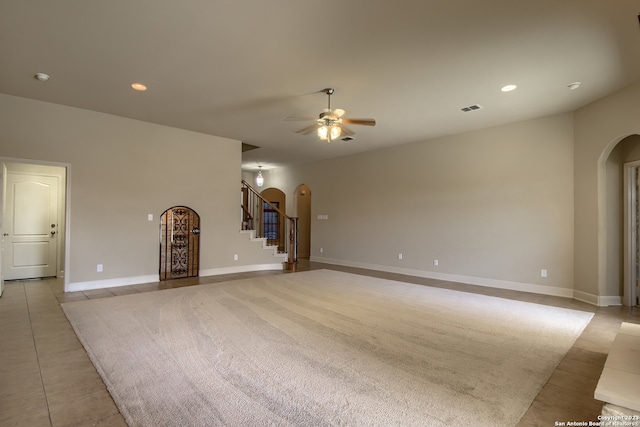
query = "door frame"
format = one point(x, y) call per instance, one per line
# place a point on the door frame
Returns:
point(302, 209)
point(630, 234)
point(62, 270)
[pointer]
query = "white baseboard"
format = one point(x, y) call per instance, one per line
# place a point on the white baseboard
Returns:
point(240, 269)
point(600, 301)
point(585, 297)
point(111, 283)
point(471, 280)
point(137, 280)
point(605, 301)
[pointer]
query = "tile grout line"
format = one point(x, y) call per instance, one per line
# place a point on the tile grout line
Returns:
point(35, 348)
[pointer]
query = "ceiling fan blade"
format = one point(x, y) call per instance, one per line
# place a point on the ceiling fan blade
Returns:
point(346, 131)
point(338, 112)
point(298, 119)
point(307, 130)
point(364, 122)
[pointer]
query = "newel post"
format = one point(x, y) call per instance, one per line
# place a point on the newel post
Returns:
point(293, 244)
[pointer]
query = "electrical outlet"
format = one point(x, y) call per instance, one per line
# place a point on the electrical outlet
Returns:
point(321, 250)
point(235, 257)
point(99, 268)
point(543, 273)
point(436, 262)
point(399, 256)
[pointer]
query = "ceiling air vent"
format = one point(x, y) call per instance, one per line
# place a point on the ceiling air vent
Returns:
point(471, 108)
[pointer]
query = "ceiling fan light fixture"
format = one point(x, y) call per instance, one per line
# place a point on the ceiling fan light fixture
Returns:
point(335, 132)
point(329, 132)
point(323, 132)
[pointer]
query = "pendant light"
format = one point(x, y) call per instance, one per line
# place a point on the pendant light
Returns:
point(259, 178)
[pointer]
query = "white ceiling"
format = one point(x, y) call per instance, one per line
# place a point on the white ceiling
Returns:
point(237, 68)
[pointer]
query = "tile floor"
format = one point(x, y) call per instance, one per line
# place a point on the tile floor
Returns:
point(47, 379)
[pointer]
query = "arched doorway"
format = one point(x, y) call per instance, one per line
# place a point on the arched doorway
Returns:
point(619, 254)
point(179, 243)
point(303, 212)
point(271, 225)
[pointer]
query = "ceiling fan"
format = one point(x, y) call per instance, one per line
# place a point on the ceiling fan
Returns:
point(330, 124)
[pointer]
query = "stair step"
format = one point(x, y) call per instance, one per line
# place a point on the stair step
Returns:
point(274, 248)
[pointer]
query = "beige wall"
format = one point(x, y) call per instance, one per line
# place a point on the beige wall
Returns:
point(498, 204)
point(613, 196)
point(493, 206)
point(121, 171)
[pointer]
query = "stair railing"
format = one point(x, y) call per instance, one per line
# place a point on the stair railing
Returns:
point(254, 210)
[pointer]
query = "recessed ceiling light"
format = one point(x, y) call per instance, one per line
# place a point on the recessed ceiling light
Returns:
point(42, 77)
point(508, 88)
point(139, 86)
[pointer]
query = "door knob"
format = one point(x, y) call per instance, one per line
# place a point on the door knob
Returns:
point(53, 232)
point(5, 234)
point(196, 231)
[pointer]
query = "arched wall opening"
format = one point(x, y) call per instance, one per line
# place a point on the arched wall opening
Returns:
point(614, 194)
point(273, 227)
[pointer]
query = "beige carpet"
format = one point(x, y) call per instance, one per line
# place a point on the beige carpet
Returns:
point(322, 348)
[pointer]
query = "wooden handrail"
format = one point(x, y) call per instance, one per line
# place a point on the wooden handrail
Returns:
point(275, 208)
point(253, 211)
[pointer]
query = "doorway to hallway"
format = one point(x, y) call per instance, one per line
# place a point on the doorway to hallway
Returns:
point(33, 220)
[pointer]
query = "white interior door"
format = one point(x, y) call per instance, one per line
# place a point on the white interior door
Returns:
point(30, 226)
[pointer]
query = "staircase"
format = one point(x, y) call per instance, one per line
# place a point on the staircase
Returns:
point(266, 222)
point(280, 256)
